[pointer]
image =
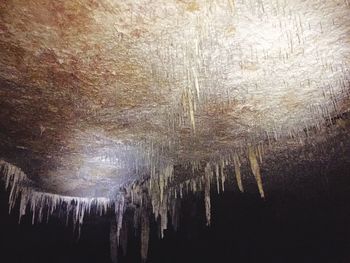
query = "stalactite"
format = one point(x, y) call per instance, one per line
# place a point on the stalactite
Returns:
point(163, 216)
point(196, 84)
point(260, 152)
point(217, 175)
point(208, 175)
point(119, 215)
point(188, 104)
point(161, 186)
point(223, 178)
point(255, 169)
point(191, 104)
point(193, 186)
point(237, 166)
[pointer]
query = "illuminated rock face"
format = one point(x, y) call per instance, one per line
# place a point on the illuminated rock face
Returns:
point(180, 77)
point(102, 99)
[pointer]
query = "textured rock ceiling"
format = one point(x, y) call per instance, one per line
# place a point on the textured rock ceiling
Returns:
point(110, 105)
point(96, 90)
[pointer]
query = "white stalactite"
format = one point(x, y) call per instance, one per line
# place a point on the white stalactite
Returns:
point(237, 166)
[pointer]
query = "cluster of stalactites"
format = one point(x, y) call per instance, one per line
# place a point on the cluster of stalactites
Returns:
point(163, 194)
point(13, 177)
point(159, 194)
point(42, 205)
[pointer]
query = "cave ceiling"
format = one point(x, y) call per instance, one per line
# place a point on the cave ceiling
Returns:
point(99, 92)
